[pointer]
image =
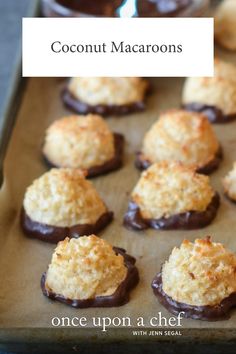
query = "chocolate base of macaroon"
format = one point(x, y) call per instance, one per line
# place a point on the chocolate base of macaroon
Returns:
point(206, 313)
point(107, 8)
point(105, 110)
point(54, 234)
point(214, 114)
point(120, 296)
point(185, 221)
point(211, 166)
point(113, 164)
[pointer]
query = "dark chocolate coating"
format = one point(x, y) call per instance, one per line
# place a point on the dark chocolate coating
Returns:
point(210, 167)
point(185, 221)
point(109, 8)
point(213, 113)
point(114, 164)
point(120, 296)
point(206, 313)
point(213, 164)
point(105, 110)
point(93, 7)
point(54, 234)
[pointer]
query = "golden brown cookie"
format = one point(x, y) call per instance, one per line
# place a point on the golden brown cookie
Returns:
point(199, 280)
point(106, 95)
point(229, 184)
point(63, 203)
point(170, 195)
point(213, 96)
point(225, 24)
point(84, 142)
point(182, 136)
point(89, 272)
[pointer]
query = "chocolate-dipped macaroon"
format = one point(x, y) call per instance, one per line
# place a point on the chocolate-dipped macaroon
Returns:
point(63, 203)
point(225, 29)
point(84, 142)
point(106, 95)
point(229, 184)
point(183, 136)
point(213, 96)
point(199, 280)
point(89, 272)
point(170, 195)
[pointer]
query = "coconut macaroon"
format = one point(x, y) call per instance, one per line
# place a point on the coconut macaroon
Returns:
point(106, 95)
point(170, 195)
point(63, 203)
point(84, 142)
point(89, 272)
point(199, 280)
point(229, 184)
point(213, 96)
point(183, 136)
point(225, 29)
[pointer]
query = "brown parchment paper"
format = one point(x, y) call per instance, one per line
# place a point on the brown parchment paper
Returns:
point(23, 260)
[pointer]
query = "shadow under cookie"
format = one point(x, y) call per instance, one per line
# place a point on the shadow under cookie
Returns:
point(120, 296)
point(185, 221)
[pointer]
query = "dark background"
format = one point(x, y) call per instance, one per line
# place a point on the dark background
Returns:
point(11, 13)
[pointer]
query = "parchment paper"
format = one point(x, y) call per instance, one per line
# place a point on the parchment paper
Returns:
point(23, 260)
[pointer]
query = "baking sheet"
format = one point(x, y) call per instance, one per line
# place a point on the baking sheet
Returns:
point(23, 260)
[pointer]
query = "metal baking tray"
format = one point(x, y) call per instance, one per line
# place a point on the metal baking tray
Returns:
point(25, 314)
